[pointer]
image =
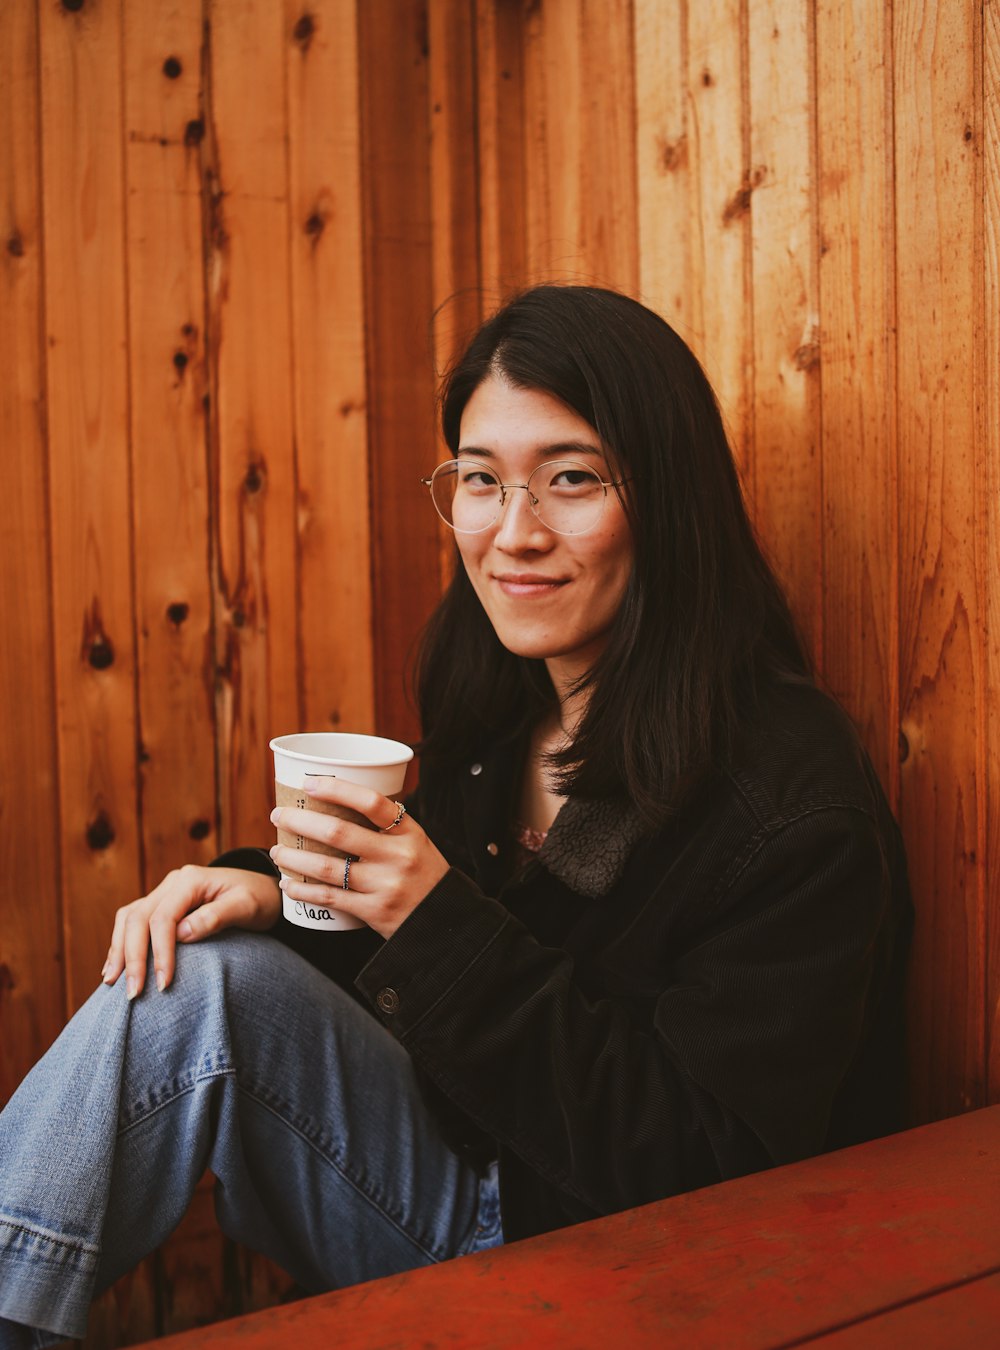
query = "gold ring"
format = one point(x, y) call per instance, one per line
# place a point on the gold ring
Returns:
point(400, 813)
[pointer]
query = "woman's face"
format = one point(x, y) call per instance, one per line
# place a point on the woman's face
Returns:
point(550, 596)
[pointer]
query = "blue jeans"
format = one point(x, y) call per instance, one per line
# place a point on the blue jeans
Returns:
point(255, 1066)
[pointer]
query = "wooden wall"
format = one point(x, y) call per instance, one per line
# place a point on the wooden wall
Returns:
point(239, 240)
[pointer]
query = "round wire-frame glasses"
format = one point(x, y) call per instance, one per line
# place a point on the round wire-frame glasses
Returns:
point(566, 496)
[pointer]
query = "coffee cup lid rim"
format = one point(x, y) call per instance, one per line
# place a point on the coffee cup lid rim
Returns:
point(394, 752)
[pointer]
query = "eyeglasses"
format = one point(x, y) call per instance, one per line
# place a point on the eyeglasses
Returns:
point(567, 497)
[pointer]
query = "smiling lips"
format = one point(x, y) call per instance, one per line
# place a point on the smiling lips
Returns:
point(527, 583)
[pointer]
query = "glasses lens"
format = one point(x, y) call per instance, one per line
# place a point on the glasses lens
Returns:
point(466, 495)
point(567, 497)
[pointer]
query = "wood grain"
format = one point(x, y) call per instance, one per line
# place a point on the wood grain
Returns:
point(857, 354)
point(90, 511)
point(399, 297)
point(765, 1262)
point(253, 458)
point(31, 956)
point(663, 162)
point(334, 659)
point(458, 307)
point(988, 496)
point(502, 150)
point(609, 236)
point(721, 188)
point(786, 348)
point(936, 302)
point(164, 106)
point(553, 142)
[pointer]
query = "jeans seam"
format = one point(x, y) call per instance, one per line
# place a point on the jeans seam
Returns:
point(78, 1246)
point(181, 1092)
point(340, 1166)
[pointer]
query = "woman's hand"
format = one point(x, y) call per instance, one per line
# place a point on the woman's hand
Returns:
point(393, 866)
point(189, 904)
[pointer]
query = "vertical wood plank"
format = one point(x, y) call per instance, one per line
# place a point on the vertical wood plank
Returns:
point(609, 234)
point(937, 302)
point(399, 302)
point(553, 105)
point(720, 199)
point(454, 170)
point(499, 58)
point(666, 277)
point(31, 974)
point(335, 657)
point(252, 423)
point(81, 139)
point(989, 498)
point(861, 568)
point(455, 210)
point(167, 363)
point(786, 352)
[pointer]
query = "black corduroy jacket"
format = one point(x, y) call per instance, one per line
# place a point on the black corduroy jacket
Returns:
point(633, 1015)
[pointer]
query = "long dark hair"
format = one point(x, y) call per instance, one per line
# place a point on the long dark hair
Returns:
point(703, 629)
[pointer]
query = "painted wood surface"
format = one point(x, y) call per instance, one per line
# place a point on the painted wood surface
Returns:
point(239, 243)
point(785, 1258)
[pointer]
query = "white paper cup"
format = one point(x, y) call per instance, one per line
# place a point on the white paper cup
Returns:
point(372, 761)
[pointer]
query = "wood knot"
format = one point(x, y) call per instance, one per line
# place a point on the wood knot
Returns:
point(807, 356)
point(101, 654)
point(178, 612)
point(194, 132)
point(304, 31)
point(253, 480)
point(15, 245)
point(904, 747)
point(739, 204)
point(172, 67)
point(967, 134)
point(74, 6)
point(315, 225)
point(707, 78)
point(7, 981)
point(180, 362)
point(200, 829)
point(671, 155)
point(100, 832)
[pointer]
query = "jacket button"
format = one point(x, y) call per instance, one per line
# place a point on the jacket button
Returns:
point(476, 770)
point(492, 850)
point(388, 1000)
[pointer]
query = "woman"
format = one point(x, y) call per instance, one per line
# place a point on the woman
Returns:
point(642, 927)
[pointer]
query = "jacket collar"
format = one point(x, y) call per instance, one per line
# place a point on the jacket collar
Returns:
point(590, 841)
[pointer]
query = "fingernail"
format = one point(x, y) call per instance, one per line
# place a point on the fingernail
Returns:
point(283, 884)
point(184, 929)
point(161, 981)
point(272, 850)
point(275, 815)
point(131, 988)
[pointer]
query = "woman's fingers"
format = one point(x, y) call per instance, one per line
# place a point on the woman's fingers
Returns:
point(189, 904)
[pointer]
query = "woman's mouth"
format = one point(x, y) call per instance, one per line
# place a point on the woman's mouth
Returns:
point(528, 583)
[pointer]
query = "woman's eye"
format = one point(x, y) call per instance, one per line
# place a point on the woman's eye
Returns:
point(579, 480)
point(477, 480)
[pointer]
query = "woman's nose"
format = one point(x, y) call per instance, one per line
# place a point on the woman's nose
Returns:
point(519, 528)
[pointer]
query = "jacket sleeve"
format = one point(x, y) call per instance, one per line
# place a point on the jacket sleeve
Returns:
point(619, 1101)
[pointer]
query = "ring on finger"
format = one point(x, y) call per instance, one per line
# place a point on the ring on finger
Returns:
point(350, 858)
point(400, 813)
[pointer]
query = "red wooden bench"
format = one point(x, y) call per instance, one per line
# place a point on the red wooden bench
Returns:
point(892, 1243)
